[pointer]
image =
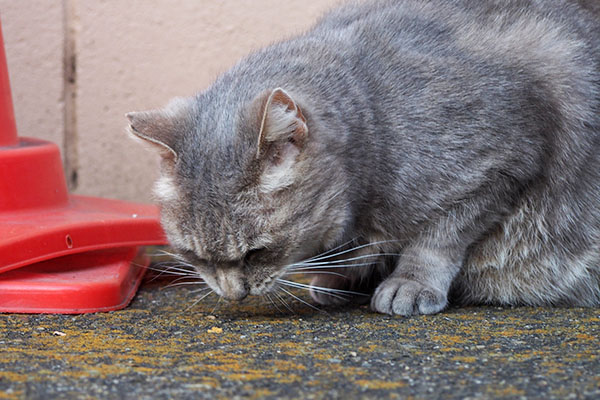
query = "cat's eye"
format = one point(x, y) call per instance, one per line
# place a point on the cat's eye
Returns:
point(253, 255)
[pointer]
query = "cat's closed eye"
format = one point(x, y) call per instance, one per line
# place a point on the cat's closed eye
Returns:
point(254, 255)
point(192, 258)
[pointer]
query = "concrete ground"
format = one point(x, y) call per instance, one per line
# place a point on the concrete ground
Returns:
point(163, 346)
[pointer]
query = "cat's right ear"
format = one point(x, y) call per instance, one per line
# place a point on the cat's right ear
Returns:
point(282, 137)
point(157, 127)
point(282, 124)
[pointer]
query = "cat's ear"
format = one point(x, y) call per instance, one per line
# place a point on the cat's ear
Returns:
point(282, 136)
point(157, 127)
point(282, 123)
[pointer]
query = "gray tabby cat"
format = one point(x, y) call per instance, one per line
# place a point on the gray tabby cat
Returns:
point(453, 144)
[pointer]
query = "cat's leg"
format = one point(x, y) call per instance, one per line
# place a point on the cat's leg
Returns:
point(428, 264)
point(420, 282)
point(421, 279)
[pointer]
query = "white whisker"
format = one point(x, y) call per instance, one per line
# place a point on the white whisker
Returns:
point(347, 259)
point(177, 257)
point(200, 290)
point(173, 270)
point(184, 284)
point(318, 289)
point(282, 300)
point(299, 299)
point(199, 300)
point(177, 268)
point(317, 266)
point(349, 250)
point(331, 250)
point(216, 305)
point(166, 253)
point(324, 289)
point(273, 303)
point(304, 271)
point(181, 278)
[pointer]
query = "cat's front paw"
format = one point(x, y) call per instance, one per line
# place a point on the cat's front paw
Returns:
point(405, 297)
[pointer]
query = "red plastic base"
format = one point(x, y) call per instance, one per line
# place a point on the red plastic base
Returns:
point(103, 280)
point(83, 224)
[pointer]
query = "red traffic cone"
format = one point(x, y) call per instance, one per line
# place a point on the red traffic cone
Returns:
point(61, 253)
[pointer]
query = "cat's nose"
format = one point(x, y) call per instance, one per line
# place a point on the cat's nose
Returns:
point(237, 295)
point(231, 282)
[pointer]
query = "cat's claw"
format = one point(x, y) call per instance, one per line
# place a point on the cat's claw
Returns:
point(405, 297)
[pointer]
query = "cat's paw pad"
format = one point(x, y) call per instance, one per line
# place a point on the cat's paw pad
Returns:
point(406, 297)
point(318, 291)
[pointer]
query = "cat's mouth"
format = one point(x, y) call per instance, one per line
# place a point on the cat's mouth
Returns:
point(233, 285)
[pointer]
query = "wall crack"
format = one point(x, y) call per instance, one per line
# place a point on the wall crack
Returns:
point(70, 137)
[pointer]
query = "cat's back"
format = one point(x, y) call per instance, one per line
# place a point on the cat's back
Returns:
point(546, 49)
point(437, 21)
point(556, 41)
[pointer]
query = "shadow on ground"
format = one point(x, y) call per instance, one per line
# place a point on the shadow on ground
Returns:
point(162, 346)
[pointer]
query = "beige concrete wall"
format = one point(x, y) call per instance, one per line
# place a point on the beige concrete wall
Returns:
point(33, 35)
point(130, 55)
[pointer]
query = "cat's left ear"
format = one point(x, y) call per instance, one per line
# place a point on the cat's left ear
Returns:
point(283, 124)
point(161, 128)
point(154, 128)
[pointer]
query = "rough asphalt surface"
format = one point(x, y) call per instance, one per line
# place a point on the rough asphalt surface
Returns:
point(162, 346)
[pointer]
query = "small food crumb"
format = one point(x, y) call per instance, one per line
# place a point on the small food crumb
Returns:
point(215, 329)
point(59, 333)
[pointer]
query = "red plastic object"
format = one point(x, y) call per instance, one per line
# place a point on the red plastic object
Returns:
point(61, 253)
point(102, 280)
point(8, 126)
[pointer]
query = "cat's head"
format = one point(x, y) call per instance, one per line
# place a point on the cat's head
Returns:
point(246, 188)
